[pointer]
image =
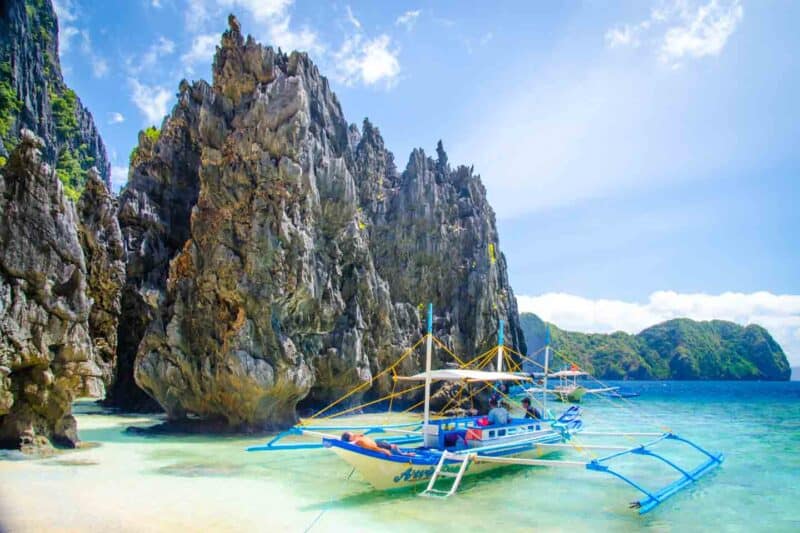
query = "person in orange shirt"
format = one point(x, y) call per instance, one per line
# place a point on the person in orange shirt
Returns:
point(367, 443)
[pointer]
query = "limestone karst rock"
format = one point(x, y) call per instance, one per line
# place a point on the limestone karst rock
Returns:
point(276, 257)
point(46, 349)
point(104, 254)
point(33, 95)
point(61, 268)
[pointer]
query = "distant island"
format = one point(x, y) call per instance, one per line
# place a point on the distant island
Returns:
point(676, 349)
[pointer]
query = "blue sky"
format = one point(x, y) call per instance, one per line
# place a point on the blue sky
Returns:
point(641, 156)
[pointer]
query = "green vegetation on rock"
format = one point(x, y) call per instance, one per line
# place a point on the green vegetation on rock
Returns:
point(64, 112)
point(10, 104)
point(676, 349)
point(152, 133)
point(71, 174)
point(149, 135)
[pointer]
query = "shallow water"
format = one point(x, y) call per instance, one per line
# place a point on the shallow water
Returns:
point(192, 483)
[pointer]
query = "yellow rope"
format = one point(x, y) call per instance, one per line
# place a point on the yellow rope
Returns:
point(527, 358)
point(370, 381)
point(373, 402)
point(441, 345)
point(415, 405)
point(391, 397)
point(484, 355)
point(487, 355)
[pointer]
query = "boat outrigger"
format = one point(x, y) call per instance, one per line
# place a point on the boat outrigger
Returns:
point(568, 389)
point(421, 453)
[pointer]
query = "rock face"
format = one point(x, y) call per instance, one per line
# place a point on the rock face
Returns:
point(104, 254)
point(33, 95)
point(676, 349)
point(154, 213)
point(61, 268)
point(46, 348)
point(275, 256)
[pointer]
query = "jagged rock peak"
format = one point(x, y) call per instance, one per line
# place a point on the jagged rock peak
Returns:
point(276, 258)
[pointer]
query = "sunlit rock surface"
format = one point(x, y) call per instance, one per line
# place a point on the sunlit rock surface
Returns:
point(47, 317)
point(276, 256)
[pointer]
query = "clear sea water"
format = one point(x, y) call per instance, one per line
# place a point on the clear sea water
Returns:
point(192, 483)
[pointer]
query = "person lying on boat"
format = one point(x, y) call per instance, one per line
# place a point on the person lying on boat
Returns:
point(367, 443)
point(530, 412)
point(498, 415)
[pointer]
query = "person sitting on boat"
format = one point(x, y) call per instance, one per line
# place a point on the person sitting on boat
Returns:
point(367, 443)
point(530, 412)
point(497, 415)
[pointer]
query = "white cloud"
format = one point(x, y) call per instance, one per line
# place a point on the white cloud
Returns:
point(682, 29)
point(487, 37)
point(703, 32)
point(280, 33)
point(99, 66)
point(359, 59)
point(408, 19)
point(119, 177)
point(116, 118)
point(156, 3)
point(65, 11)
point(779, 313)
point(203, 48)
point(367, 61)
point(152, 101)
point(622, 36)
point(196, 14)
point(352, 19)
point(160, 48)
point(272, 16)
point(65, 35)
point(261, 10)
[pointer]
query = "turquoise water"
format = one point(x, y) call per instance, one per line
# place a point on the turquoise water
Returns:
point(167, 483)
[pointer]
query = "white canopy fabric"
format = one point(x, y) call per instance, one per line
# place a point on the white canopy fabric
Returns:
point(567, 374)
point(561, 374)
point(456, 374)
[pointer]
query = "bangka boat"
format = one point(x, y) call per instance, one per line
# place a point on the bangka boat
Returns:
point(568, 389)
point(423, 453)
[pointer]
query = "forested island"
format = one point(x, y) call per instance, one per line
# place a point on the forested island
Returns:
point(675, 349)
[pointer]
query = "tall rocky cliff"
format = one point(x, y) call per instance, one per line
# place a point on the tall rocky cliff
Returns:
point(59, 300)
point(33, 95)
point(61, 252)
point(276, 257)
point(676, 349)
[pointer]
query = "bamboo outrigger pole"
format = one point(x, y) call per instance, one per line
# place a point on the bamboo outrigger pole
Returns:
point(428, 350)
point(546, 369)
point(500, 348)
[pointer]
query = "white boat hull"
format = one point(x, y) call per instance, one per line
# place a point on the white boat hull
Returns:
point(384, 474)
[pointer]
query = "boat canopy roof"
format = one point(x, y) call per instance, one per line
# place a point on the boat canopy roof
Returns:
point(562, 374)
point(458, 374)
point(567, 374)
